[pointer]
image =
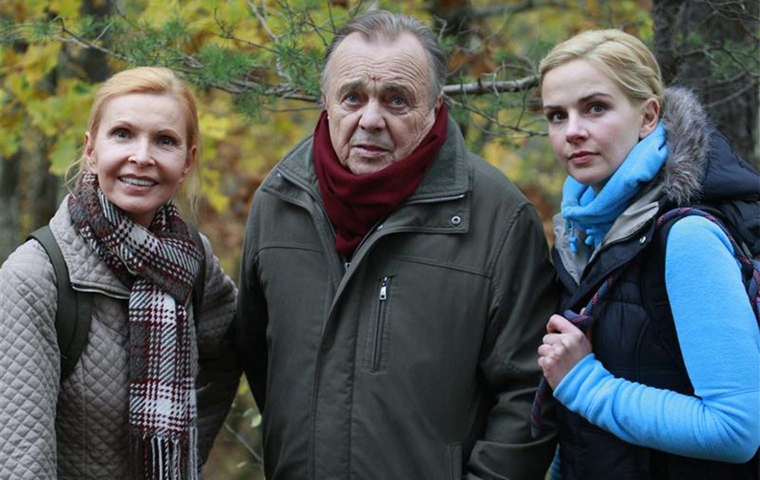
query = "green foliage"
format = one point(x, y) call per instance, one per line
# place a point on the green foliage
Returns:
point(249, 103)
point(222, 65)
point(42, 32)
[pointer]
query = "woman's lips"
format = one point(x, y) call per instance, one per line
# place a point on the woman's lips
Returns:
point(581, 158)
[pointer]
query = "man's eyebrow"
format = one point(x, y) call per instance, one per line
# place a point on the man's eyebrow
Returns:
point(351, 86)
point(399, 88)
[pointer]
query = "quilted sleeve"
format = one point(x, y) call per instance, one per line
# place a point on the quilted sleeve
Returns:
point(219, 368)
point(29, 365)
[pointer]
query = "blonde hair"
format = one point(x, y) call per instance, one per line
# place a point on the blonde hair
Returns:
point(155, 80)
point(622, 57)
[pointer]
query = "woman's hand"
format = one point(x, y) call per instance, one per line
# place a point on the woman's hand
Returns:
point(563, 347)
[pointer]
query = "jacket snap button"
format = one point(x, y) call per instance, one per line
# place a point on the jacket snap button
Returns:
point(643, 239)
point(456, 220)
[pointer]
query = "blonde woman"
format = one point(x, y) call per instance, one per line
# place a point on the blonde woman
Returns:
point(665, 382)
point(152, 386)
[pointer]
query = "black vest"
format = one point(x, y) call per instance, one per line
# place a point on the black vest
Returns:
point(634, 338)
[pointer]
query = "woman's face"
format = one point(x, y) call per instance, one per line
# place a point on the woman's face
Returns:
point(592, 123)
point(140, 153)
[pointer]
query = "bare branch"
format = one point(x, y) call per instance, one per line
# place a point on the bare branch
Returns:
point(293, 109)
point(227, 34)
point(242, 441)
point(263, 20)
point(494, 121)
point(734, 95)
point(479, 87)
point(512, 9)
point(85, 43)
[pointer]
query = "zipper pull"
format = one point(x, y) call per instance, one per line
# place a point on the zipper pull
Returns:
point(384, 289)
point(346, 265)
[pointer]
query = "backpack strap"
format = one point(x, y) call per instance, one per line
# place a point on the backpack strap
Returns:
point(73, 313)
point(749, 266)
point(200, 279)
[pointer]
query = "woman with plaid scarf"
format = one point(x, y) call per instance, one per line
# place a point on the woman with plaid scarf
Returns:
point(152, 387)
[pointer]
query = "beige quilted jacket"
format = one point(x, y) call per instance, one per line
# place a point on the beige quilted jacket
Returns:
point(79, 429)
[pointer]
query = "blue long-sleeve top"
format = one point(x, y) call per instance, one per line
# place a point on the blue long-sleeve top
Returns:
point(720, 343)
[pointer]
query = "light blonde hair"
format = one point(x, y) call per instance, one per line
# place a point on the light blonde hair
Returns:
point(155, 80)
point(622, 57)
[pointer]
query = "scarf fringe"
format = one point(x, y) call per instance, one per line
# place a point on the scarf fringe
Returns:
point(166, 458)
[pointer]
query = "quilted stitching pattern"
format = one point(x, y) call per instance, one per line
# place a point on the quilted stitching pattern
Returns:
point(29, 369)
point(219, 369)
point(89, 417)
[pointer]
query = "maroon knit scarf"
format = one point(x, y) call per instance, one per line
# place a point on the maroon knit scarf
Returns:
point(355, 203)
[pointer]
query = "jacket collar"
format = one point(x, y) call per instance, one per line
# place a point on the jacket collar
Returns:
point(448, 176)
point(87, 271)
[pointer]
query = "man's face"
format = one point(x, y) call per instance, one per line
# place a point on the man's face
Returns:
point(377, 97)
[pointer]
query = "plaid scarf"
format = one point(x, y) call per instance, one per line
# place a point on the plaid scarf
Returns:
point(159, 265)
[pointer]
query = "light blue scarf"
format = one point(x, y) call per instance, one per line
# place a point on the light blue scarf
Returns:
point(582, 208)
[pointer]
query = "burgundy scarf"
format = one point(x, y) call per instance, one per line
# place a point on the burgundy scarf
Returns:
point(355, 203)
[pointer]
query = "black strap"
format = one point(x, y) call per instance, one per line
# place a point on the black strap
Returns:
point(200, 279)
point(73, 313)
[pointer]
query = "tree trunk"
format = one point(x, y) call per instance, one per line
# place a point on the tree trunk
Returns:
point(711, 48)
point(9, 205)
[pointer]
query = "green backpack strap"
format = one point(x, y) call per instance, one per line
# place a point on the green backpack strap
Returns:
point(73, 313)
point(200, 279)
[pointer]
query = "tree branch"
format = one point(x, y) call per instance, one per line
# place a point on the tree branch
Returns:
point(490, 119)
point(242, 441)
point(512, 9)
point(480, 88)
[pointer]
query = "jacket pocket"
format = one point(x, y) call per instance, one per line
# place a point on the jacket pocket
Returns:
point(376, 352)
point(454, 451)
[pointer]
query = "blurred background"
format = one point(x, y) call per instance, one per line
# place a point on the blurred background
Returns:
point(254, 66)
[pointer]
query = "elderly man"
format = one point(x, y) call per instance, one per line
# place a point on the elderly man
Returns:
point(394, 287)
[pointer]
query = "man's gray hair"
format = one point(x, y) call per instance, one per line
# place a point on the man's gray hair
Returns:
point(386, 25)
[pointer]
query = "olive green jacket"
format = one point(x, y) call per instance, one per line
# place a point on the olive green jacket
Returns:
point(416, 360)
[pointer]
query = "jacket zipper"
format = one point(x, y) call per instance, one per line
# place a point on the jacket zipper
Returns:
point(436, 200)
point(380, 325)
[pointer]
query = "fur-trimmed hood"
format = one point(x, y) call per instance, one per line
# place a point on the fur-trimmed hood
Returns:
point(701, 165)
point(686, 124)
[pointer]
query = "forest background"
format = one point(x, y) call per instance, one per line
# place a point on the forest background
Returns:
point(254, 67)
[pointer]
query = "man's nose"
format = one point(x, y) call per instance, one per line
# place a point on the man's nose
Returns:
point(372, 117)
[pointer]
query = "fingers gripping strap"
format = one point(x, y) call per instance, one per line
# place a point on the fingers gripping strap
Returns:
point(583, 321)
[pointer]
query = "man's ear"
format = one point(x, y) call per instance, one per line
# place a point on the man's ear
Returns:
point(438, 103)
point(89, 145)
point(650, 115)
